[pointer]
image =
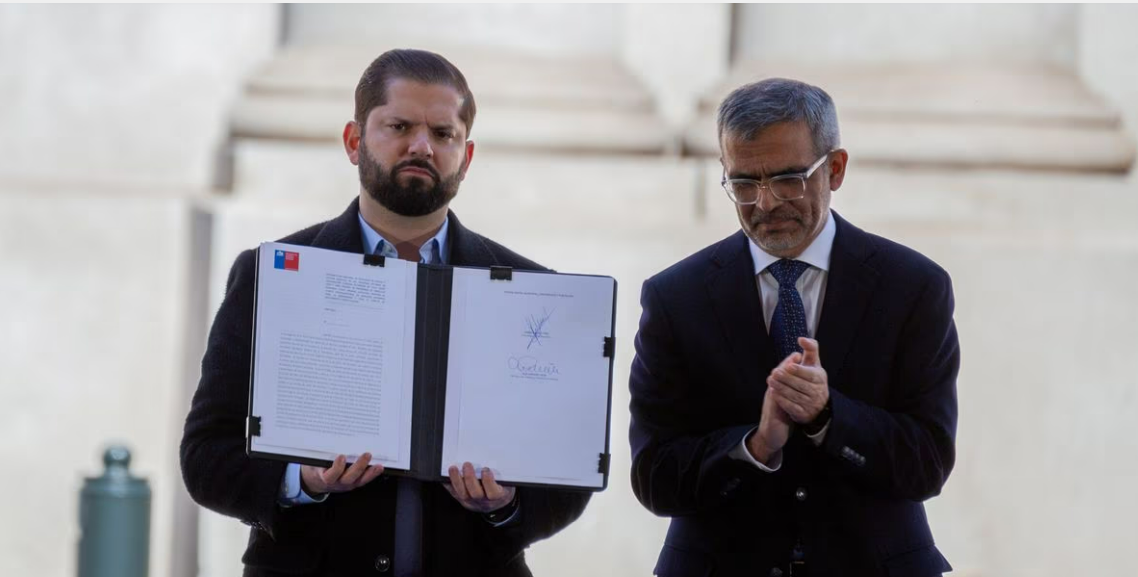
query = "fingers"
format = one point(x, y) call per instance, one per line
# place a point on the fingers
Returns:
point(788, 392)
point(372, 473)
point(458, 488)
point(473, 487)
point(494, 491)
point(812, 356)
point(332, 474)
point(795, 379)
point(356, 471)
point(797, 412)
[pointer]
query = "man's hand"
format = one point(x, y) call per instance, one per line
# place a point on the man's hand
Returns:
point(485, 496)
point(339, 477)
point(799, 385)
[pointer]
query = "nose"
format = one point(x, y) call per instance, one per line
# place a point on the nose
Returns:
point(420, 146)
point(767, 201)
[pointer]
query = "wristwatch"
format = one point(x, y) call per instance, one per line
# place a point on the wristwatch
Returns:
point(504, 514)
point(814, 427)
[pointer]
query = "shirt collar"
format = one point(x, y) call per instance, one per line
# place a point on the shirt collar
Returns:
point(816, 255)
point(433, 251)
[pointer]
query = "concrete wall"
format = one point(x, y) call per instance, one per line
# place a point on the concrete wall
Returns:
point(874, 34)
point(548, 29)
point(118, 96)
point(111, 118)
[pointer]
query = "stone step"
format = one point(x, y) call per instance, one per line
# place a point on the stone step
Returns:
point(949, 116)
point(588, 103)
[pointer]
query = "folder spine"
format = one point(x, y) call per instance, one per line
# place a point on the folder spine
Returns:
point(501, 273)
point(254, 426)
point(374, 260)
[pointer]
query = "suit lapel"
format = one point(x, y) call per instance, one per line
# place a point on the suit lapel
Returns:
point(466, 247)
point(343, 232)
point(849, 288)
point(738, 308)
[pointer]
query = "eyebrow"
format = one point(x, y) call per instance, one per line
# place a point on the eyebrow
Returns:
point(753, 176)
point(400, 120)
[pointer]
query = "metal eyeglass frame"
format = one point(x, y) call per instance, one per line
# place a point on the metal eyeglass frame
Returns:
point(802, 176)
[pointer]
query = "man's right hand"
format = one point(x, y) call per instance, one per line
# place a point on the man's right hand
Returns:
point(339, 477)
point(775, 426)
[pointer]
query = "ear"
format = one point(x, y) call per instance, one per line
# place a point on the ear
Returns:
point(352, 134)
point(469, 158)
point(838, 160)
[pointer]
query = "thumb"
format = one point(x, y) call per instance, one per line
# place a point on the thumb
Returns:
point(811, 356)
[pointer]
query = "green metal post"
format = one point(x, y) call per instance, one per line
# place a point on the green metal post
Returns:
point(114, 520)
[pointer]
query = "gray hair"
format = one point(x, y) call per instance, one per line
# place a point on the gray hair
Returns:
point(751, 108)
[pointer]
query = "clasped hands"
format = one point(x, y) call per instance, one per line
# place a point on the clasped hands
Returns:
point(479, 495)
point(797, 391)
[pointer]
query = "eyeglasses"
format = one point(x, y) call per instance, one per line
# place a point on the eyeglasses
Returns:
point(783, 187)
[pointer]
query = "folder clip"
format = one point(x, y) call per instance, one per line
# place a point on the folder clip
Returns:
point(374, 259)
point(254, 425)
point(501, 273)
point(610, 347)
point(603, 464)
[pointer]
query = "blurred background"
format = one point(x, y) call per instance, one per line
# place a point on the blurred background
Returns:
point(142, 147)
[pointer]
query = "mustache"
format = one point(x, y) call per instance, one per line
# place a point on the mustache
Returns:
point(759, 217)
point(416, 163)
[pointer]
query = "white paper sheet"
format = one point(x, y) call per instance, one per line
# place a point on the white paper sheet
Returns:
point(527, 381)
point(334, 360)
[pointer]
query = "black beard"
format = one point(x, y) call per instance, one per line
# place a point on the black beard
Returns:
point(416, 198)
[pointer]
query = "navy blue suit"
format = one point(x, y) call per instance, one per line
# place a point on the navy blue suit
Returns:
point(888, 343)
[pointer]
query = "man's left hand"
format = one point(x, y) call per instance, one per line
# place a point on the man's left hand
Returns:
point(480, 496)
point(801, 387)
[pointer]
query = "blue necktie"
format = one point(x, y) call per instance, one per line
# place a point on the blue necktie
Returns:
point(789, 319)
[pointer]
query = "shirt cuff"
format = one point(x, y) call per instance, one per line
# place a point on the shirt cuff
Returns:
point(740, 453)
point(292, 492)
point(820, 436)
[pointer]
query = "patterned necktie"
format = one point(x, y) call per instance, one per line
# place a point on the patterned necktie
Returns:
point(789, 319)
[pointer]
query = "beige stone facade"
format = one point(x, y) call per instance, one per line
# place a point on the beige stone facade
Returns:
point(141, 147)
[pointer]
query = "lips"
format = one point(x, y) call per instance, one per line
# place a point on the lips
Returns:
point(417, 171)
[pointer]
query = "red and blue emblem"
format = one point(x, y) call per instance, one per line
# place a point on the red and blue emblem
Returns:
point(285, 260)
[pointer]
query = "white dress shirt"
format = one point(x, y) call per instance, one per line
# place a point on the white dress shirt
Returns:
point(811, 287)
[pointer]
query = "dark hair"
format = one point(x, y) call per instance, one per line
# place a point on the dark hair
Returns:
point(417, 65)
point(751, 108)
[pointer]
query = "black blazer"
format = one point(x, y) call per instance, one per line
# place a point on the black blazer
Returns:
point(889, 345)
point(347, 533)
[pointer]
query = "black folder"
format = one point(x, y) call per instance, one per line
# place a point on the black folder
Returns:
point(433, 301)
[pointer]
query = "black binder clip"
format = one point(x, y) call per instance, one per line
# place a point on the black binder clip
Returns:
point(501, 273)
point(254, 424)
point(374, 259)
point(603, 464)
point(610, 347)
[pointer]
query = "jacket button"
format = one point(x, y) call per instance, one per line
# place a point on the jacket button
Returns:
point(382, 563)
point(800, 494)
point(776, 572)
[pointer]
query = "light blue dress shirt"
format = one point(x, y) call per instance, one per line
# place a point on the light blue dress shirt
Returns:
point(434, 251)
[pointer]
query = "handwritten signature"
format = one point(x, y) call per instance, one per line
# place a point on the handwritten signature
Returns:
point(535, 328)
point(531, 367)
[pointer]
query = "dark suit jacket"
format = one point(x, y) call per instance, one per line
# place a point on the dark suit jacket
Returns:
point(888, 343)
point(348, 532)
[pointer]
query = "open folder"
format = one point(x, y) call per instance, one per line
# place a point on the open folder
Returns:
point(428, 366)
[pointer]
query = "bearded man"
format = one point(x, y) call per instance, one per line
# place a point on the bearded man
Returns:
point(410, 140)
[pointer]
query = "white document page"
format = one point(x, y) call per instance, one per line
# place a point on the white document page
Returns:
point(334, 355)
point(527, 379)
